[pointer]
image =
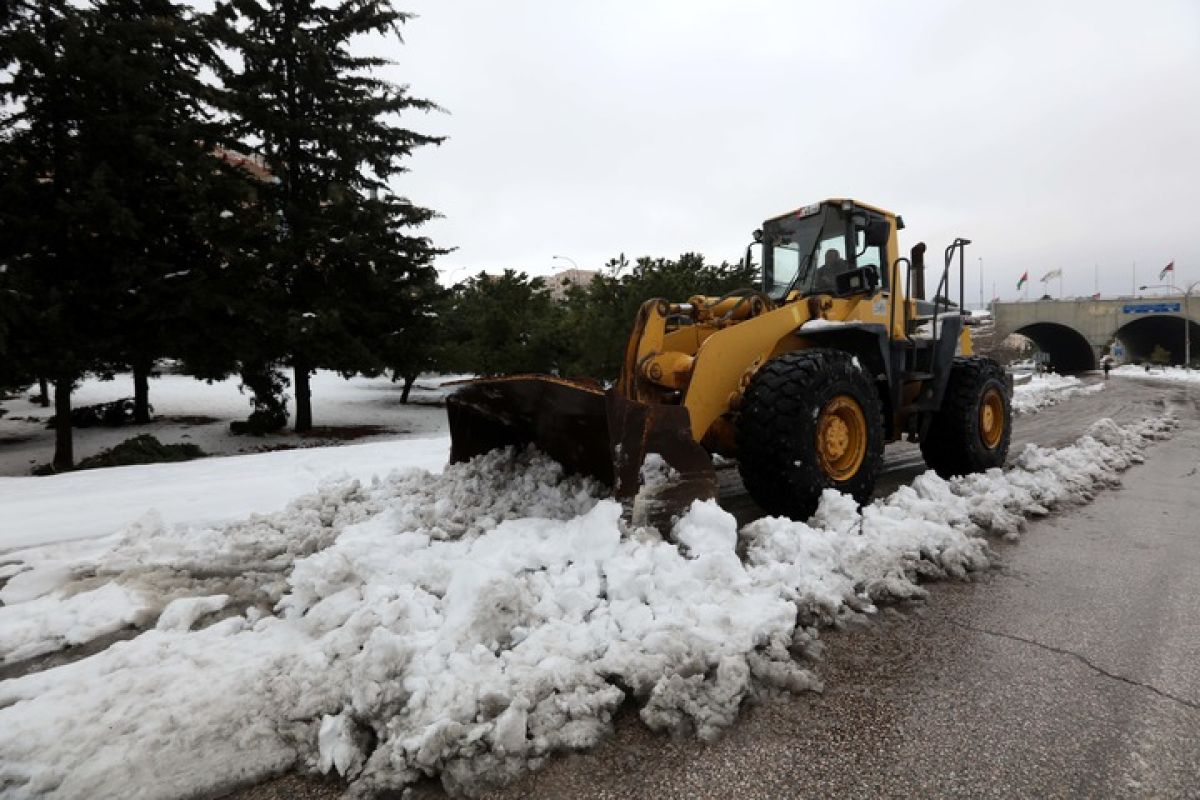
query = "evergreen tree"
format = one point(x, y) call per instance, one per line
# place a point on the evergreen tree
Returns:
point(13, 369)
point(110, 176)
point(50, 204)
point(599, 317)
point(415, 341)
point(503, 324)
point(342, 256)
point(151, 137)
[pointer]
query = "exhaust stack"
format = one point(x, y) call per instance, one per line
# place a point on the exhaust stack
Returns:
point(917, 288)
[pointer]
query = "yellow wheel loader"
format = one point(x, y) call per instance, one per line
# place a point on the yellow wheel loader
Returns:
point(801, 380)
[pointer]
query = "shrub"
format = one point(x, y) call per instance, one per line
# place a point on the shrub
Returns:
point(113, 414)
point(144, 449)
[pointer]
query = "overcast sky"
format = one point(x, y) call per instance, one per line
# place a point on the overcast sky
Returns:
point(1054, 135)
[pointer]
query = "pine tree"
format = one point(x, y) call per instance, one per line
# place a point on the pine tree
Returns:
point(503, 324)
point(50, 204)
point(342, 256)
point(111, 187)
point(152, 137)
point(416, 341)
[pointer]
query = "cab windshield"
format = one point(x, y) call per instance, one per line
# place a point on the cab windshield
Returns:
point(789, 249)
point(806, 252)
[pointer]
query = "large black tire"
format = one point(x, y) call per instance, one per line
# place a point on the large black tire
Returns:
point(963, 437)
point(791, 402)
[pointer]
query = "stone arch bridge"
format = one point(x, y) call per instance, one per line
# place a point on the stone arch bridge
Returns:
point(1075, 333)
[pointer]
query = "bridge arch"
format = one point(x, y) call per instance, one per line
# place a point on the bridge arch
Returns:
point(1140, 336)
point(1068, 349)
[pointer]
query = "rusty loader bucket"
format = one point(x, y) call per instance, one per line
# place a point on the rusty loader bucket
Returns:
point(590, 431)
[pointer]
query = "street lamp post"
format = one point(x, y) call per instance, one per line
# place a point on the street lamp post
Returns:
point(981, 282)
point(1187, 330)
point(566, 258)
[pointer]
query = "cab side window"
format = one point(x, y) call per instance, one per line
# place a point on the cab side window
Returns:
point(871, 256)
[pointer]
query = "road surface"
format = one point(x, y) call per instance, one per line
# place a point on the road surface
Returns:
point(1070, 671)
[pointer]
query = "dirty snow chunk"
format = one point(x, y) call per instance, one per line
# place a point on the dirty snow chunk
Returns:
point(656, 478)
point(53, 621)
point(181, 614)
point(707, 530)
point(338, 745)
point(27, 583)
point(657, 472)
point(467, 626)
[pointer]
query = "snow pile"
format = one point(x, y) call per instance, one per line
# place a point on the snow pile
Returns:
point(150, 564)
point(468, 625)
point(1048, 389)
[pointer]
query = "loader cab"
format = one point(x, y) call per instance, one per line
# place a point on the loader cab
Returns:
point(836, 247)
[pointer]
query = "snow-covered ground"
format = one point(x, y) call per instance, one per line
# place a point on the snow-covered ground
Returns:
point(1039, 391)
point(188, 410)
point(1174, 374)
point(463, 625)
point(89, 503)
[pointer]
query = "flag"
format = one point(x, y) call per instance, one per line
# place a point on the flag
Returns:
point(1024, 278)
point(1168, 268)
point(1054, 273)
point(1096, 296)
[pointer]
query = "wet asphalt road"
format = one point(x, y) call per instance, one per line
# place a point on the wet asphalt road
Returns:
point(1073, 670)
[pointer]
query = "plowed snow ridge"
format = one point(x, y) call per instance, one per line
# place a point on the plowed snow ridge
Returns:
point(1042, 391)
point(464, 625)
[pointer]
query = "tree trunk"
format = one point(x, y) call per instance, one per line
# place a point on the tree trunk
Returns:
point(141, 393)
point(64, 451)
point(409, 380)
point(303, 396)
point(44, 388)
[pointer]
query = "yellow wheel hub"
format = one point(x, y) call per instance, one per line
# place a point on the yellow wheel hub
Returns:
point(991, 418)
point(841, 437)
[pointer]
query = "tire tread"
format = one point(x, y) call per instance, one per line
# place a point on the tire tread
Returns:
point(776, 424)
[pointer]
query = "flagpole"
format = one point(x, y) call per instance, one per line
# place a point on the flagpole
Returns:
point(1060, 296)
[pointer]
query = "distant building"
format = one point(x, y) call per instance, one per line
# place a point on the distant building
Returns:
point(560, 282)
point(254, 165)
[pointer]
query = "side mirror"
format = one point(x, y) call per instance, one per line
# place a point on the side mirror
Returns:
point(877, 232)
point(750, 252)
